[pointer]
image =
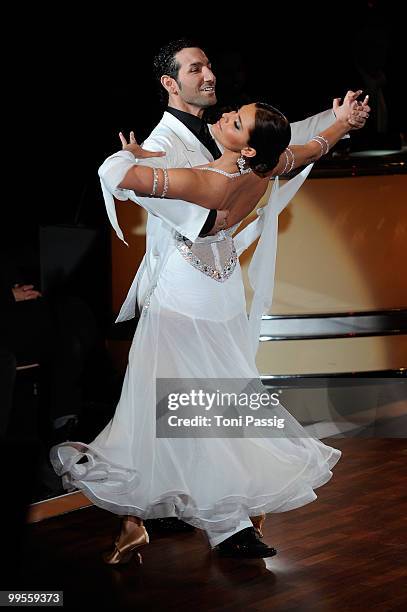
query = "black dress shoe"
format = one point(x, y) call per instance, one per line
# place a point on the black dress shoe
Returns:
point(168, 524)
point(245, 544)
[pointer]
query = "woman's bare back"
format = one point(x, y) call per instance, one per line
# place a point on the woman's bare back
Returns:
point(239, 195)
point(248, 190)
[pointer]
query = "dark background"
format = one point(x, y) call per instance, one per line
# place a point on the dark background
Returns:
point(78, 81)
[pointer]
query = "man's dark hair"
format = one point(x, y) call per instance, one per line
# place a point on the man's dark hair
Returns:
point(165, 63)
point(270, 136)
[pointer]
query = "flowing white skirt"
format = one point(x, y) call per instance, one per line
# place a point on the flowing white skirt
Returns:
point(194, 327)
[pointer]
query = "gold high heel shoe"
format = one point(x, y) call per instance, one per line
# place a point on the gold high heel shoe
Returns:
point(133, 535)
point(258, 522)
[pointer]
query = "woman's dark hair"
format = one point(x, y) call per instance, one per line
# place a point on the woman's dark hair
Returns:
point(165, 63)
point(270, 136)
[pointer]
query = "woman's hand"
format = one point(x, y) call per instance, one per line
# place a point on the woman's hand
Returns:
point(135, 148)
point(351, 112)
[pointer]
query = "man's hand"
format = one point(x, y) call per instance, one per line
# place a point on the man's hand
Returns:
point(220, 223)
point(135, 148)
point(351, 111)
point(25, 292)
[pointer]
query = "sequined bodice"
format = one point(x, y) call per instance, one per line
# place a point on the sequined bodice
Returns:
point(215, 255)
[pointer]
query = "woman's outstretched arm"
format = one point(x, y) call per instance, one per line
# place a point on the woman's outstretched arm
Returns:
point(180, 183)
point(296, 156)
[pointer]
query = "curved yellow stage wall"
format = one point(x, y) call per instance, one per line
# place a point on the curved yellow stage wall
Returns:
point(342, 245)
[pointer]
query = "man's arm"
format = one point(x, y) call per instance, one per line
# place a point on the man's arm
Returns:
point(303, 131)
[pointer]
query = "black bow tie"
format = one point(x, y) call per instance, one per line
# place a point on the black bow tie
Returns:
point(207, 140)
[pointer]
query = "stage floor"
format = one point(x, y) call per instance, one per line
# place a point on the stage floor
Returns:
point(345, 551)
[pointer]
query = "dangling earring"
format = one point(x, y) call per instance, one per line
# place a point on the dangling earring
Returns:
point(241, 164)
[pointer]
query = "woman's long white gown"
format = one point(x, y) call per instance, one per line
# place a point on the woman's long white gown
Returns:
point(193, 326)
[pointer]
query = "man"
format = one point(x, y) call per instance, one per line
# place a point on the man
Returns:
point(186, 76)
point(189, 87)
point(184, 139)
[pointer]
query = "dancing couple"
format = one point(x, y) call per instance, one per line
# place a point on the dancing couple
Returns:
point(198, 183)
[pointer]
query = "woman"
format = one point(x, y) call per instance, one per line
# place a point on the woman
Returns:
point(194, 325)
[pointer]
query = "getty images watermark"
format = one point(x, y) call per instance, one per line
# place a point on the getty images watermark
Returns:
point(222, 408)
point(211, 400)
point(317, 407)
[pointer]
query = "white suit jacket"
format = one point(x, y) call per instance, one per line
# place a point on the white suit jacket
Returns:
point(165, 216)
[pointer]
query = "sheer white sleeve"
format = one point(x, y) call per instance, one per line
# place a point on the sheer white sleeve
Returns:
point(185, 217)
point(111, 173)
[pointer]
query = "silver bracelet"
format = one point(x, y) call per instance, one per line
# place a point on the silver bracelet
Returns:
point(320, 144)
point(155, 182)
point(292, 160)
point(164, 193)
point(323, 143)
point(286, 162)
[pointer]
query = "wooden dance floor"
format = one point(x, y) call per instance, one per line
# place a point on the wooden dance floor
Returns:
point(345, 551)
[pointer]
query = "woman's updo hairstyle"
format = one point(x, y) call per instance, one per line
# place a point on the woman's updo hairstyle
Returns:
point(270, 136)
